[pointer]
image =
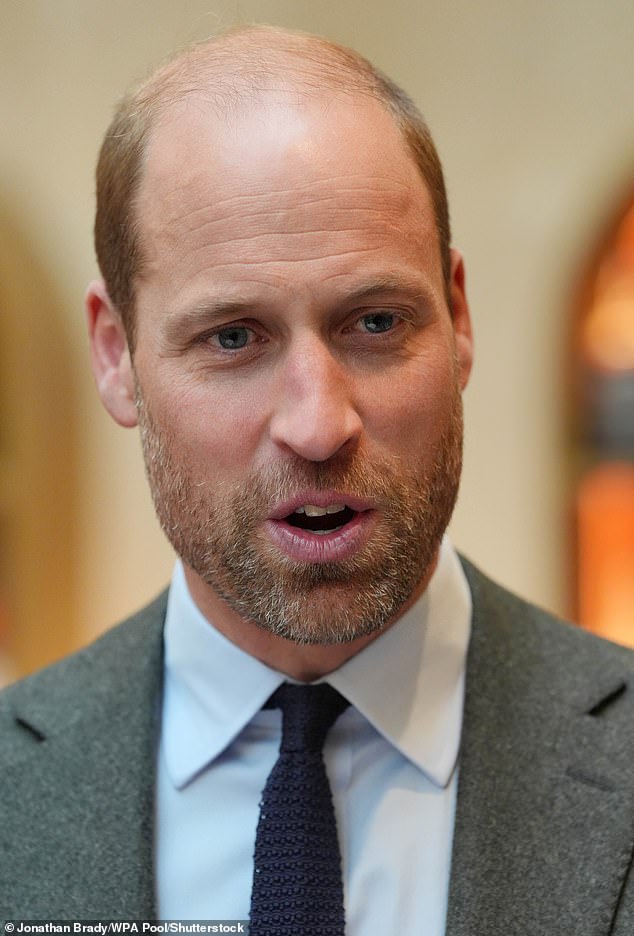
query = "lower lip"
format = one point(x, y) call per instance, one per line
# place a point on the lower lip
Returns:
point(304, 546)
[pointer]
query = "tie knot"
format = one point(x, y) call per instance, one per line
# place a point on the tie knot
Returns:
point(308, 714)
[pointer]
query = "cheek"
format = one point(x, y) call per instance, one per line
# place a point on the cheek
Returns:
point(214, 430)
point(409, 413)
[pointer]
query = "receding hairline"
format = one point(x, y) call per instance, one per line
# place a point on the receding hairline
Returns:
point(247, 55)
point(243, 65)
point(246, 60)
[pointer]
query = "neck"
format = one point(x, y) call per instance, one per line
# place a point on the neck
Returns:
point(303, 662)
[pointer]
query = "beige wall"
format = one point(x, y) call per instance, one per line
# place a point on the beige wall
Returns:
point(531, 105)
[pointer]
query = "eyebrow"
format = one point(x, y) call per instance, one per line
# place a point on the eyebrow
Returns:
point(206, 313)
point(414, 288)
point(210, 312)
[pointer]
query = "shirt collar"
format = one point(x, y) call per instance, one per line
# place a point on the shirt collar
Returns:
point(408, 683)
point(212, 687)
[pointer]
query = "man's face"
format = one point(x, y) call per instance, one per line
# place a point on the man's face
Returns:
point(297, 370)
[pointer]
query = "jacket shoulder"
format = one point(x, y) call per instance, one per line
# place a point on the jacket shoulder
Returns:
point(78, 743)
point(64, 692)
point(528, 643)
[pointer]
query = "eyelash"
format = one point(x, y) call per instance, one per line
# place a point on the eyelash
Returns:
point(229, 328)
point(381, 313)
point(397, 318)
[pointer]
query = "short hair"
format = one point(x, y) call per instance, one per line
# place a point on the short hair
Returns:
point(239, 63)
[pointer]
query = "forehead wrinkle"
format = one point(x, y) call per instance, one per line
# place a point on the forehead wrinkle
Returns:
point(319, 255)
point(344, 228)
point(259, 248)
point(176, 170)
point(330, 190)
point(276, 224)
point(231, 215)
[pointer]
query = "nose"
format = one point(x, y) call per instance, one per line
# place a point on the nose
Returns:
point(315, 416)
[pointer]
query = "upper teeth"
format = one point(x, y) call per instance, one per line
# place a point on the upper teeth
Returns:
point(312, 511)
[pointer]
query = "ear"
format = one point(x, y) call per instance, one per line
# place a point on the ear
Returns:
point(460, 317)
point(110, 356)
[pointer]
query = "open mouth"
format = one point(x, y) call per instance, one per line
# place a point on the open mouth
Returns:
point(334, 529)
point(320, 520)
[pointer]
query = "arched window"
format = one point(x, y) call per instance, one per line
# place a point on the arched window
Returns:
point(604, 501)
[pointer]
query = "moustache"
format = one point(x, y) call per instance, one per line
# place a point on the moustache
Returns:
point(378, 482)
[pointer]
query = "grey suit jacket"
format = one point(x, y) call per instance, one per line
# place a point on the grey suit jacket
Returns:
point(544, 832)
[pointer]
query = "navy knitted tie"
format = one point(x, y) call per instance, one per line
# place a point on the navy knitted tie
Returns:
point(297, 886)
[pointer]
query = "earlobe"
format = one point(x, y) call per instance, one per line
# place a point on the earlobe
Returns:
point(110, 356)
point(461, 317)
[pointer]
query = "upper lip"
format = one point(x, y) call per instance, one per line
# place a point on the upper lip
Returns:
point(319, 499)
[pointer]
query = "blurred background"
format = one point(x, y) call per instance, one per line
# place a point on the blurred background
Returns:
point(531, 105)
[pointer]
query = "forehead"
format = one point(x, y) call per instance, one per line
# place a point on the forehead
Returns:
point(288, 178)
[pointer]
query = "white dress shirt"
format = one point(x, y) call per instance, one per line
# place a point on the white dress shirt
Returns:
point(391, 759)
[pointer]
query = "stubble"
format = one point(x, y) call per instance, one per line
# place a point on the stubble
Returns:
point(218, 532)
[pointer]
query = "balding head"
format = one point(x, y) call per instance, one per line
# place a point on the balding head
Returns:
point(245, 66)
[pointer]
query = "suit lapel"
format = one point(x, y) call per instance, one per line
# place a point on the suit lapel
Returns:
point(91, 774)
point(543, 825)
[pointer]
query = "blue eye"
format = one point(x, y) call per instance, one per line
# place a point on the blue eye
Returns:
point(233, 338)
point(378, 322)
